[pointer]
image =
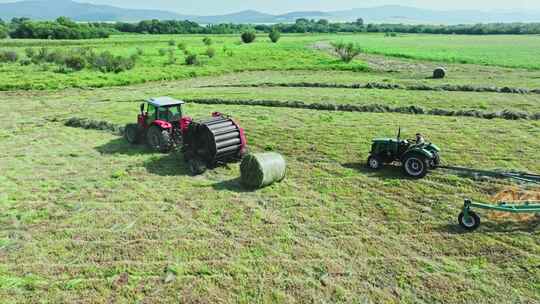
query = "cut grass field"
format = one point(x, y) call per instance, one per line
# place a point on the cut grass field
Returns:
point(87, 218)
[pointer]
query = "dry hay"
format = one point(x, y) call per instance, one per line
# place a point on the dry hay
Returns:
point(515, 195)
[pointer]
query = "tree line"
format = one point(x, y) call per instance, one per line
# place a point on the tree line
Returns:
point(64, 28)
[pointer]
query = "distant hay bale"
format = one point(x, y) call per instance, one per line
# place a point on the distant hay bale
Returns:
point(439, 73)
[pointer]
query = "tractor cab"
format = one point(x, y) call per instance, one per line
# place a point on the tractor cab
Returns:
point(164, 109)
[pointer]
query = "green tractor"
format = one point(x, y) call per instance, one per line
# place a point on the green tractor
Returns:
point(416, 156)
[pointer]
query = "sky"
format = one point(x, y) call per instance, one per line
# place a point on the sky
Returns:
point(209, 7)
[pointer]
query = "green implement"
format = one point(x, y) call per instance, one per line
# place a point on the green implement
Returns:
point(470, 221)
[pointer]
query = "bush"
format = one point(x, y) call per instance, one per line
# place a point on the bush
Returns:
point(172, 43)
point(140, 51)
point(346, 51)
point(30, 52)
point(191, 59)
point(439, 73)
point(107, 62)
point(9, 56)
point(75, 62)
point(3, 32)
point(162, 52)
point(207, 41)
point(172, 56)
point(26, 62)
point(57, 57)
point(248, 37)
point(211, 52)
point(274, 36)
point(182, 46)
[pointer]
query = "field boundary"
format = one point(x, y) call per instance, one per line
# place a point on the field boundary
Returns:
point(384, 86)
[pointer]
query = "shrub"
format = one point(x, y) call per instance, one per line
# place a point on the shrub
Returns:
point(172, 43)
point(107, 62)
point(191, 59)
point(3, 32)
point(75, 62)
point(162, 52)
point(140, 51)
point(274, 36)
point(172, 57)
point(9, 56)
point(182, 46)
point(211, 52)
point(346, 51)
point(207, 41)
point(30, 52)
point(26, 62)
point(57, 57)
point(439, 73)
point(248, 37)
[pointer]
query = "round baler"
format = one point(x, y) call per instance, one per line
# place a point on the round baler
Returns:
point(213, 141)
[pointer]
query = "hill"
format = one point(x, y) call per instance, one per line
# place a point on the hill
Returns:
point(47, 10)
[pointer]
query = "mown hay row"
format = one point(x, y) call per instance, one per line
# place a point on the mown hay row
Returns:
point(84, 123)
point(373, 108)
point(388, 86)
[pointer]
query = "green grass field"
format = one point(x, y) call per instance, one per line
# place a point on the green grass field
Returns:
point(87, 218)
point(293, 52)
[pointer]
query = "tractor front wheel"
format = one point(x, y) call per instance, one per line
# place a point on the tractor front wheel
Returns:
point(416, 166)
point(158, 139)
point(469, 223)
point(436, 161)
point(374, 162)
point(132, 134)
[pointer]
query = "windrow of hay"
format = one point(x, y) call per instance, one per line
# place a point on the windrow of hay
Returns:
point(515, 196)
point(373, 108)
point(84, 123)
point(389, 86)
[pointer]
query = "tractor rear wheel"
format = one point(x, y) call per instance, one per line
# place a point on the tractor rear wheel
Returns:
point(415, 165)
point(158, 139)
point(374, 162)
point(470, 223)
point(132, 134)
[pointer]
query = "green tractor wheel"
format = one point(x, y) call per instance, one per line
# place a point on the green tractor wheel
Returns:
point(158, 139)
point(415, 165)
point(469, 223)
point(132, 134)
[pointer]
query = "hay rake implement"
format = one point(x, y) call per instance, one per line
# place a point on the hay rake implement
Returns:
point(470, 220)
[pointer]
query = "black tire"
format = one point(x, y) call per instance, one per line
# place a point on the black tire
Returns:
point(132, 134)
point(415, 165)
point(470, 224)
point(374, 162)
point(196, 166)
point(158, 139)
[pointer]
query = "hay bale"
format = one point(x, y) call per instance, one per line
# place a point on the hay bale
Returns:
point(259, 170)
point(439, 73)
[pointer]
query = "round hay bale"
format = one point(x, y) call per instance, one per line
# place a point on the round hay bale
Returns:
point(259, 170)
point(439, 73)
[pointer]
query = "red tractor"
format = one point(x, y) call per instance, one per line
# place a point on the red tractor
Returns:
point(163, 127)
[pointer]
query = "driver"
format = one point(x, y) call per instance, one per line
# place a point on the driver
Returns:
point(420, 139)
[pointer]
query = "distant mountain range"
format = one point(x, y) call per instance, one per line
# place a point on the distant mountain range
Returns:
point(51, 9)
